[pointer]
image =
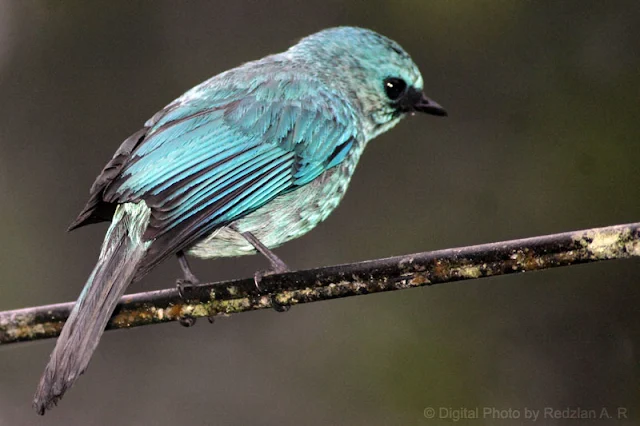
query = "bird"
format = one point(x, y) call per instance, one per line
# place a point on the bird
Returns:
point(241, 163)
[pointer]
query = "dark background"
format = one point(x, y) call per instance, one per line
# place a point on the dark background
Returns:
point(543, 137)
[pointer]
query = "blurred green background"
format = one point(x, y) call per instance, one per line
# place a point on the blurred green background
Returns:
point(543, 136)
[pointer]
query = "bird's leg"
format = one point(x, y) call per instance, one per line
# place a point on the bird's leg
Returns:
point(277, 267)
point(189, 280)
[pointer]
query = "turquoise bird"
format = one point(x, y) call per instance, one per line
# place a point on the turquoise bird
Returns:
point(241, 163)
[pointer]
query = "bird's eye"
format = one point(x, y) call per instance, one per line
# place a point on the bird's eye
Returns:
point(394, 87)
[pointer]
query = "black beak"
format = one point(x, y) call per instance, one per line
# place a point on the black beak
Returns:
point(426, 105)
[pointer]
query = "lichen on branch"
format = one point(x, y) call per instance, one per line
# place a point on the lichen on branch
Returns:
point(373, 276)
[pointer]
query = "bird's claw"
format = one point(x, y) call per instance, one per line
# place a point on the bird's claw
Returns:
point(257, 278)
point(187, 321)
point(277, 306)
point(183, 286)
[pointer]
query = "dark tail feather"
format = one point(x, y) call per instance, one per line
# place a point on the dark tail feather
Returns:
point(121, 253)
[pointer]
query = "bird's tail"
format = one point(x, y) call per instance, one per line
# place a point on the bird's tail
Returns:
point(122, 251)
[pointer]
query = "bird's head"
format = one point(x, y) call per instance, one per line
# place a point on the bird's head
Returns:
point(376, 73)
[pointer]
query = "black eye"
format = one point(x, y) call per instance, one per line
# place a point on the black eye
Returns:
point(395, 88)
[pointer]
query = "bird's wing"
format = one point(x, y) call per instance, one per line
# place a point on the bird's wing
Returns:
point(215, 155)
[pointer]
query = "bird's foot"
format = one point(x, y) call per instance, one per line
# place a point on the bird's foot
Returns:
point(277, 267)
point(187, 321)
point(257, 279)
point(183, 286)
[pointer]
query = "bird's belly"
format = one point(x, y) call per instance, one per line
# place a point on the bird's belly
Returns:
point(284, 218)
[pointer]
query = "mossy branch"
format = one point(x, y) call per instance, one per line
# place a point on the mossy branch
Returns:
point(292, 288)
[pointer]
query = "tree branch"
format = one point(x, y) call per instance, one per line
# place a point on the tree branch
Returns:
point(291, 288)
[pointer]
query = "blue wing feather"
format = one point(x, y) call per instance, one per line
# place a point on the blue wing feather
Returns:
point(216, 155)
